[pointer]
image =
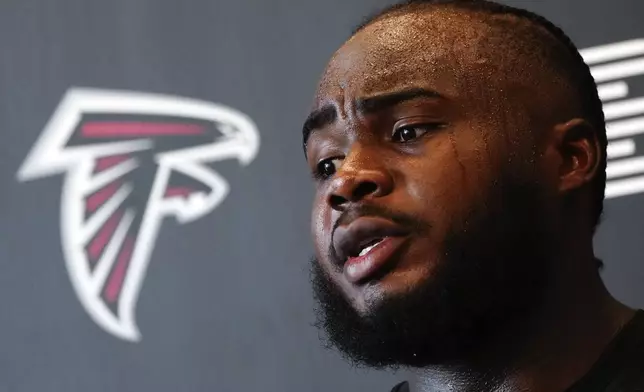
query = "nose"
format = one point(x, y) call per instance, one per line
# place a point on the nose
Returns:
point(355, 182)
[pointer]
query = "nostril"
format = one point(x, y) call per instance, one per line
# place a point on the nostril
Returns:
point(336, 201)
point(359, 192)
point(364, 189)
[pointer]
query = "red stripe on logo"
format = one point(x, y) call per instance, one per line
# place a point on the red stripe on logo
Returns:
point(107, 162)
point(178, 192)
point(101, 196)
point(119, 129)
point(104, 235)
point(115, 282)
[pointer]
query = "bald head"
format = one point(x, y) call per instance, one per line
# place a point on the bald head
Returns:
point(516, 63)
point(511, 65)
point(543, 47)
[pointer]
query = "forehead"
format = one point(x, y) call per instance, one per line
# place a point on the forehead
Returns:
point(440, 48)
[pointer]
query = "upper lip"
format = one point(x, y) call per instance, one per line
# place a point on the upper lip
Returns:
point(350, 239)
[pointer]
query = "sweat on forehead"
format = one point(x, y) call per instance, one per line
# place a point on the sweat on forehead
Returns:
point(466, 50)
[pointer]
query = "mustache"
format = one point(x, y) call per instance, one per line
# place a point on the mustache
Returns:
point(401, 219)
point(409, 222)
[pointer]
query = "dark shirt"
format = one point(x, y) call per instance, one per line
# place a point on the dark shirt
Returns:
point(620, 368)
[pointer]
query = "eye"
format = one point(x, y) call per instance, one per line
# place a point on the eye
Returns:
point(326, 168)
point(407, 133)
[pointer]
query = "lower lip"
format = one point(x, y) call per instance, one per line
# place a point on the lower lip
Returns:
point(359, 268)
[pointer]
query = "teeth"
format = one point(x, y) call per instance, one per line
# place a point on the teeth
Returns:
point(368, 248)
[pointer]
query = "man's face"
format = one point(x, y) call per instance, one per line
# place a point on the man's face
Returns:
point(429, 219)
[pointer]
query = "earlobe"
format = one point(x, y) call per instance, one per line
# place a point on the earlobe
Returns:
point(580, 153)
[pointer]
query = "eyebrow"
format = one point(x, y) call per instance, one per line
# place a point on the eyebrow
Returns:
point(327, 114)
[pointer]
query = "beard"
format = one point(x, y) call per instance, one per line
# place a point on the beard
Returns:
point(493, 268)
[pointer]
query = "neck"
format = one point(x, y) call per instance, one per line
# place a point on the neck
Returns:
point(552, 347)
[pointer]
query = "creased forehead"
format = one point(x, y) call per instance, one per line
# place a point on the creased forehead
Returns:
point(400, 42)
point(463, 47)
point(388, 54)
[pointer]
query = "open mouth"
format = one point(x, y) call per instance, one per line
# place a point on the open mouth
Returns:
point(374, 260)
point(367, 247)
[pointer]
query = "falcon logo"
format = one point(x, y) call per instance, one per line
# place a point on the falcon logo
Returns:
point(618, 69)
point(129, 160)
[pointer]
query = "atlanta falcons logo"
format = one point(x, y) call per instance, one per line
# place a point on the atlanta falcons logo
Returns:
point(130, 159)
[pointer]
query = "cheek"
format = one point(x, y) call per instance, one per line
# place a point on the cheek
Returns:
point(320, 225)
point(450, 178)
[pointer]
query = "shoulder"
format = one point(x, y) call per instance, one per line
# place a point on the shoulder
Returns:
point(627, 365)
point(402, 387)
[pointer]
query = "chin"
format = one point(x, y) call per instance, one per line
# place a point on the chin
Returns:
point(371, 297)
point(395, 285)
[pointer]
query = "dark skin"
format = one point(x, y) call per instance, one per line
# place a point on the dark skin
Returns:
point(418, 113)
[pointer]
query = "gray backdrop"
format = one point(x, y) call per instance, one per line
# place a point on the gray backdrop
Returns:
point(226, 304)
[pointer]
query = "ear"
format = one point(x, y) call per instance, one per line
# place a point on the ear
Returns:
point(580, 154)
